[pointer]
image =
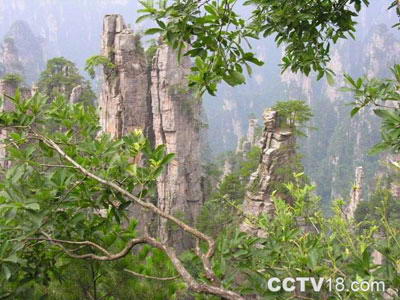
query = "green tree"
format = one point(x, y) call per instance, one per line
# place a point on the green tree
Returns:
point(294, 114)
point(300, 241)
point(13, 78)
point(383, 200)
point(66, 196)
point(61, 77)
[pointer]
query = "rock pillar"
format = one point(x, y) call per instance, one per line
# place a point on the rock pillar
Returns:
point(278, 151)
point(124, 105)
point(177, 124)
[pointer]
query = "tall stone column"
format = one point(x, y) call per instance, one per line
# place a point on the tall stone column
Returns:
point(177, 124)
point(278, 150)
point(245, 143)
point(124, 103)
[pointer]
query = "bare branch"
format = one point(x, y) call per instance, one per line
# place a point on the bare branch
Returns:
point(151, 277)
point(107, 257)
point(186, 276)
point(206, 264)
point(56, 166)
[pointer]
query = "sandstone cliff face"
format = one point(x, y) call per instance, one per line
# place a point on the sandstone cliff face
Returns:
point(278, 150)
point(124, 98)
point(177, 124)
point(21, 53)
point(124, 101)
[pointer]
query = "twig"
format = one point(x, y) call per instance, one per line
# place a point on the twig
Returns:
point(107, 257)
point(57, 166)
point(151, 277)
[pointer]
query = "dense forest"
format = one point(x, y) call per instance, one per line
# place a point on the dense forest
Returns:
point(175, 161)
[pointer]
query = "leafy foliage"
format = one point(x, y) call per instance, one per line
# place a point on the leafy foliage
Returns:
point(381, 201)
point(41, 193)
point(220, 209)
point(13, 78)
point(321, 247)
point(86, 279)
point(385, 95)
point(216, 33)
point(98, 60)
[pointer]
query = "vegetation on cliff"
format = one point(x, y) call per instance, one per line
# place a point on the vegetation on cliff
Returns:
point(61, 77)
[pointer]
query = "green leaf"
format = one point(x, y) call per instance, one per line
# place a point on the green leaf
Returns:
point(167, 159)
point(142, 18)
point(234, 78)
point(211, 10)
point(382, 113)
point(12, 259)
point(6, 271)
point(153, 31)
point(32, 206)
point(132, 170)
point(378, 148)
point(330, 79)
point(354, 111)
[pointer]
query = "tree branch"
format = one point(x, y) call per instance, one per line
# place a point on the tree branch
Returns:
point(150, 277)
point(152, 207)
point(186, 276)
point(107, 257)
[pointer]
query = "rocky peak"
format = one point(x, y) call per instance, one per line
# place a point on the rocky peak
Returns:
point(278, 150)
point(124, 99)
point(76, 94)
point(125, 103)
point(25, 50)
point(251, 132)
point(245, 143)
